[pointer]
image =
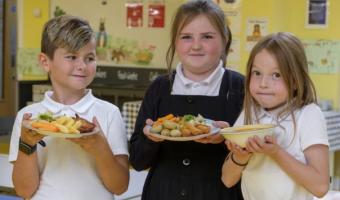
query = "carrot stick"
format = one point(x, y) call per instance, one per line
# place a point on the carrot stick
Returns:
point(45, 126)
point(166, 117)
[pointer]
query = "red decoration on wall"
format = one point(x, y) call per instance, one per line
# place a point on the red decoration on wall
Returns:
point(156, 15)
point(134, 15)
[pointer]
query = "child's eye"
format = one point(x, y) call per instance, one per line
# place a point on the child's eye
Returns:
point(255, 73)
point(90, 59)
point(276, 76)
point(185, 37)
point(207, 37)
point(70, 57)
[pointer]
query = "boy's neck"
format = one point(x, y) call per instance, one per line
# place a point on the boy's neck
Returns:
point(68, 98)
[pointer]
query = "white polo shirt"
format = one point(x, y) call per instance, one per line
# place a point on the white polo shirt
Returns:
point(209, 86)
point(67, 172)
point(263, 178)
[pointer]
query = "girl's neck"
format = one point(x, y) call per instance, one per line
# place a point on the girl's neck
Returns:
point(276, 107)
point(67, 98)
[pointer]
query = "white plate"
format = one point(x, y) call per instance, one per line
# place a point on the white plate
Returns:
point(27, 124)
point(213, 131)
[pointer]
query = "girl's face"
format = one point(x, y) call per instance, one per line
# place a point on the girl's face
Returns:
point(199, 46)
point(267, 86)
point(72, 71)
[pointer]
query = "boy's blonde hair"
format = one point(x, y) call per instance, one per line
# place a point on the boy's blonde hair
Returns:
point(69, 32)
point(291, 58)
point(186, 13)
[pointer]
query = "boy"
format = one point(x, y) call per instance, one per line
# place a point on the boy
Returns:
point(90, 167)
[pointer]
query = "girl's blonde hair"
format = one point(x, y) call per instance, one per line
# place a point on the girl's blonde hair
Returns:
point(186, 13)
point(291, 58)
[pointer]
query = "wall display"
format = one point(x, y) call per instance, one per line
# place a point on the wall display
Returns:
point(323, 56)
point(28, 65)
point(1, 48)
point(156, 13)
point(317, 14)
point(234, 54)
point(134, 14)
point(256, 29)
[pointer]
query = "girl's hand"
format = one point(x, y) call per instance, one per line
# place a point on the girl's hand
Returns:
point(93, 144)
point(29, 136)
point(269, 146)
point(147, 134)
point(217, 138)
point(242, 154)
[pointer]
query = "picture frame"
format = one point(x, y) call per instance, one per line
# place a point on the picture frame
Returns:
point(317, 14)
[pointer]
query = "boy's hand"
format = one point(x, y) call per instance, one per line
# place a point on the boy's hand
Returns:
point(269, 146)
point(28, 136)
point(93, 144)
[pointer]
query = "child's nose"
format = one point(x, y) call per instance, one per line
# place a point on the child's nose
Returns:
point(81, 64)
point(196, 45)
point(264, 81)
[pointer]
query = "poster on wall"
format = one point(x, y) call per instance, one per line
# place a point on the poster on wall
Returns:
point(134, 14)
point(256, 29)
point(322, 56)
point(156, 15)
point(233, 19)
point(316, 14)
point(28, 65)
point(234, 54)
point(228, 4)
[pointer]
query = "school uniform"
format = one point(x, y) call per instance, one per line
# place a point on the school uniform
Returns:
point(186, 170)
point(67, 171)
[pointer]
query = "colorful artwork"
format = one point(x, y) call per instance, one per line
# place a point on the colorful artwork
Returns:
point(256, 29)
point(134, 15)
point(322, 55)
point(125, 51)
point(28, 65)
point(156, 15)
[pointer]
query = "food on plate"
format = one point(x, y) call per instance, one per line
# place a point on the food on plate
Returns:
point(185, 126)
point(64, 124)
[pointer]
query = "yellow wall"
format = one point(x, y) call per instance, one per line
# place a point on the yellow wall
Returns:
point(288, 15)
point(30, 32)
point(327, 85)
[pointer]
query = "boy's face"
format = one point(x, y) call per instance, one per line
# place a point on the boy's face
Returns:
point(72, 71)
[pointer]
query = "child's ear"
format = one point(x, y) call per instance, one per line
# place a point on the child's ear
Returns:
point(44, 61)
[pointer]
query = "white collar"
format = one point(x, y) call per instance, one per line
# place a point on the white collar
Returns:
point(217, 73)
point(273, 114)
point(79, 107)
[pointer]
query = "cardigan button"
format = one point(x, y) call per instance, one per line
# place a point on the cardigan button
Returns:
point(190, 100)
point(184, 192)
point(186, 162)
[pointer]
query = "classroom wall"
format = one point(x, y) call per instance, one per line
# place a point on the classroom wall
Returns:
point(288, 15)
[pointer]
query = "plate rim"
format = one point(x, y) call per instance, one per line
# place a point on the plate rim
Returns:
point(230, 131)
point(190, 138)
point(26, 124)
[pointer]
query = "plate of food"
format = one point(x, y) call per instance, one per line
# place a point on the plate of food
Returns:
point(240, 134)
point(61, 126)
point(185, 128)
